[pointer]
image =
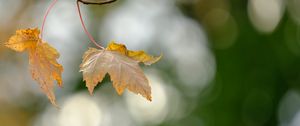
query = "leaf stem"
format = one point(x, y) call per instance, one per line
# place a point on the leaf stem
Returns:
point(84, 27)
point(46, 15)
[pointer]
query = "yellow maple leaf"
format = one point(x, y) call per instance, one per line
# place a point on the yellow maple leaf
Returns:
point(140, 56)
point(42, 59)
point(121, 64)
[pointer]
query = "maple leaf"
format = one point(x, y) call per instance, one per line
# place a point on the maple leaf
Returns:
point(121, 64)
point(42, 59)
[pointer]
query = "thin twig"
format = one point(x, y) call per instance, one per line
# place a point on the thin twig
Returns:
point(97, 3)
point(45, 17)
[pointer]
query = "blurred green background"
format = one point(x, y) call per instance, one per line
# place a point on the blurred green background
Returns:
point(226, 63)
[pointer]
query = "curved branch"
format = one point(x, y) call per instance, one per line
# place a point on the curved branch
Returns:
point(97, 3)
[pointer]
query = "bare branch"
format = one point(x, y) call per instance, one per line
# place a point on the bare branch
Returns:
point(97, 3)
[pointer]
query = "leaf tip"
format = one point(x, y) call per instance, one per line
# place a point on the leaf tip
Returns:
point(91, 90)
point(59, 83)
point(149, 98)
point(53, 102)
point(155, 59)
point(118, 89)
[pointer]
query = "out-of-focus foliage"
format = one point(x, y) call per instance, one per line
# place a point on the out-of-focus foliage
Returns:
point(226, 63)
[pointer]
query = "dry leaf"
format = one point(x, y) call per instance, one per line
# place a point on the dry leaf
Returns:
point(42, 59)
point(121, 64)
point(140, 56)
